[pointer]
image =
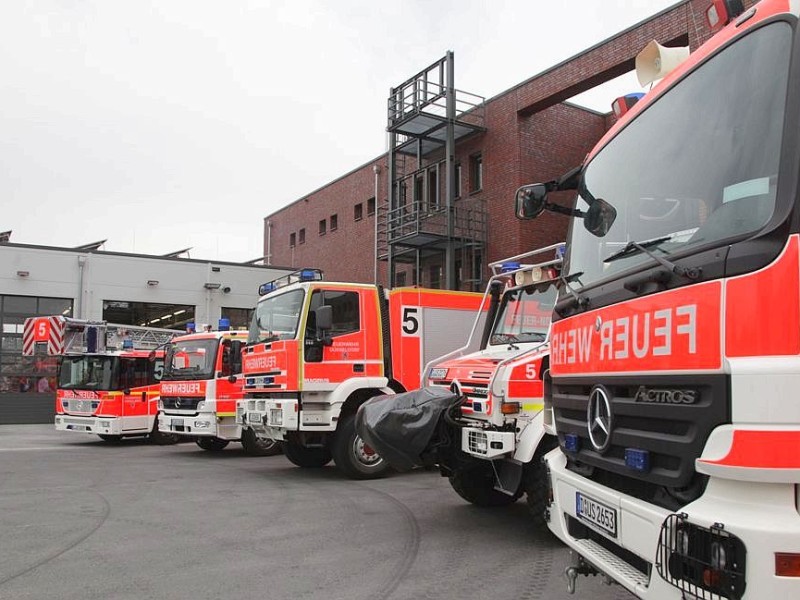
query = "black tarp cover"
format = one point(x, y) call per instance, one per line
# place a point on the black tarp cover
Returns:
point(400, 427)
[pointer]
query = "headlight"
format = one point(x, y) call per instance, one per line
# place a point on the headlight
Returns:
point(202, 424)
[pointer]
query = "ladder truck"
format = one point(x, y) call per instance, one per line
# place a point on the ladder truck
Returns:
point(108, 375)
point(200, 387)
point(318, 350)
point(675, 344)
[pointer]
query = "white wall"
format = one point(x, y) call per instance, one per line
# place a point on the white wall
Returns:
point(89, 278)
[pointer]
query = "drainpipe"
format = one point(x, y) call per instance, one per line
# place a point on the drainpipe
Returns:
point(269, 243)
point(81, 266)
point(377, 170)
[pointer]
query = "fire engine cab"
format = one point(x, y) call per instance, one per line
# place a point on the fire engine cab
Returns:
point(201, 384)
point(317, 350)
point(108, 375)
point(498, 424)
point(675, 356)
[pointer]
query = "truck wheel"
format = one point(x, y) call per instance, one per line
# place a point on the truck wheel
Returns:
point(353, 456)
point(111, 439)
point(160, 438)
point(256, 446)
point(212, 444)
point(309, 458)
point(475, 484)
point(536, 483)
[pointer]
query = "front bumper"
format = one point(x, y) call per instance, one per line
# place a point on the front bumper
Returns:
point(268, 418)
point(91, 425)
point(487, 444)
point(202, 424)
point(764, 517)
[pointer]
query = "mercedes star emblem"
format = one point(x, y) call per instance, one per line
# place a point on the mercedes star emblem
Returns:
point(599, 419)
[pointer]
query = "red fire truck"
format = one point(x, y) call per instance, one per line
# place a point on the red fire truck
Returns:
point(675, 347)
point(317, 350)
point(498, 426)
point(107, 376)
point(200, 388)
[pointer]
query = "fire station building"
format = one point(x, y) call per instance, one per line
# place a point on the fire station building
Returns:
point(437, 208)
point(130, 289)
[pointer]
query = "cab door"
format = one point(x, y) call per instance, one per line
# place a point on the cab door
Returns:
point(135, 401)
point(334, 355)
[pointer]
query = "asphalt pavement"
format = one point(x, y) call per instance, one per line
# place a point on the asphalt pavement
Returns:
point(84, 519)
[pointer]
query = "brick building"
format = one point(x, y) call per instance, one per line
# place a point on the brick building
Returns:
point(355, 226)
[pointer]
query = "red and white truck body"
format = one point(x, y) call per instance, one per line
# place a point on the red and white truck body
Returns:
point(675, 354)
point(318, 350)
point(200, 388)
point(501, 421)
point(108, 375)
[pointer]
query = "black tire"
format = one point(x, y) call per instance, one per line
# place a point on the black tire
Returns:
point(160, 438)
point(212, 444)
point(353, 456)
point(536, 483)
point(256, 446)
point(475, 484)
point(111, 439)
point(309, 458)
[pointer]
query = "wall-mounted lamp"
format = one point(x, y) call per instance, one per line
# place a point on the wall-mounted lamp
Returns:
point(212, 286)
point(152, 282)
point(23, 273)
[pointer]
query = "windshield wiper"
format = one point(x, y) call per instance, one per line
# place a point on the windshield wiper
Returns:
point(580, 301)
point(633, 247)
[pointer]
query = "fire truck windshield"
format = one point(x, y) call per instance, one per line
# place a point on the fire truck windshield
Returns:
point(89, 372)
point(276, 317)
point(687, 175)
point(191, 359)
point(524, 316)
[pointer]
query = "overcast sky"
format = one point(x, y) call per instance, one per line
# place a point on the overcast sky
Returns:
point(172, 123)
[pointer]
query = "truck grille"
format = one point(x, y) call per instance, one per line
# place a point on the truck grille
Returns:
point(473, 391)
point(670, 417)
point(181, 402)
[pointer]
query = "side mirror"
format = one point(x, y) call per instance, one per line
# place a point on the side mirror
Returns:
point(232, 379)
point(530, 200)
point(324, 317)
point(599, 217)
point(127, 391)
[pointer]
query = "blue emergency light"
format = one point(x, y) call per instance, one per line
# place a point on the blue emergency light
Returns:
point(224, 324)
point(507, 267)
point(266, 288)
point(637, 459)
point(624, 103)
point(572, 443)
point(310, 274)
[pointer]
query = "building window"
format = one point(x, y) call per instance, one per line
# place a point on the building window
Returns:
point(292, 240)
point(322, 227)
point(476, 173)
point(436, 276)
point(148, 314)
point(371, 207)
point(400, 279)
point(457, 190)
point(433, 189)
point(358, 212)
point(334, 222)
point(240, 318)
point(301, 236)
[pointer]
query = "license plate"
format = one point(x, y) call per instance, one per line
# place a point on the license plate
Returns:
point(254, 418)
point(177, 423)
point(596, 513)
